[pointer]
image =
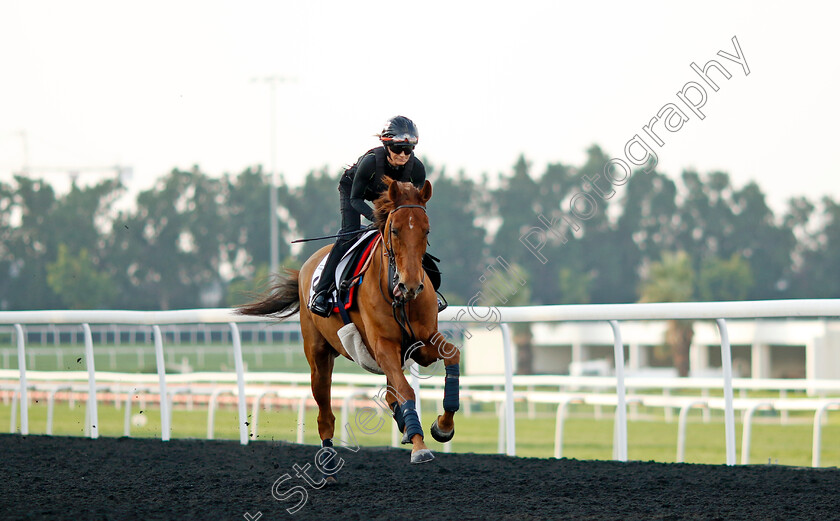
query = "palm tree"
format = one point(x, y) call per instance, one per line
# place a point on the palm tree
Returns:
point(507, 289)
point(672, 280)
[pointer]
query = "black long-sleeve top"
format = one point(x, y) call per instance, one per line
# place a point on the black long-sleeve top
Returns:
point(367, 186)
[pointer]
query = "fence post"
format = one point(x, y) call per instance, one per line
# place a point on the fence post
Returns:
point(620, 447)
point(301, 418)
point(240, 381)
point(93, 413)
point(729, 412)
point(818, 418)
point(559, 424)
point(682, 426)
point(165, 427)
point(747, 434)
point(500, 411)
point(510, 419)
point(23, 403)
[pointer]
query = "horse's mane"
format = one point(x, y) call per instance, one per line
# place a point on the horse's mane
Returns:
point(409, 194)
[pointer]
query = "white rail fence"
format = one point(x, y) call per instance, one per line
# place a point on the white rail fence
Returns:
point(292, 388)
point(491, 317)
point(59, 342)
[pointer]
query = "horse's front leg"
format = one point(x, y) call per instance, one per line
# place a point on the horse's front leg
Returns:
point(388, 358)
point(443, 428)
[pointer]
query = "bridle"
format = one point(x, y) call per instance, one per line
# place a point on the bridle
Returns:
point(389, 251)
point(397, 303)
point(388, 248)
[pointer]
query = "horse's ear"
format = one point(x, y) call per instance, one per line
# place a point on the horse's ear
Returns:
point(387, 180)
point(426, 192)
point(393, 190)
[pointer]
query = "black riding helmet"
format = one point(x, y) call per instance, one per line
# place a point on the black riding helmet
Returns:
point(399, 130)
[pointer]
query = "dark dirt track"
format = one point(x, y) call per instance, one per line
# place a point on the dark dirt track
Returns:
point(144, 479)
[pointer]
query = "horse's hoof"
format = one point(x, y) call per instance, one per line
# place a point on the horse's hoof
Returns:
point(405, 440)
point(440, 435)
point(330, 467)
point(330, 480)
point(422, 456)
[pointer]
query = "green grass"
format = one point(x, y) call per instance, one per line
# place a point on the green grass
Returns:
point(650, 437)
point(584, 437)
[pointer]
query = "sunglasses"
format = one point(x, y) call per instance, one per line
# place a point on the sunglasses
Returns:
point(400, 149)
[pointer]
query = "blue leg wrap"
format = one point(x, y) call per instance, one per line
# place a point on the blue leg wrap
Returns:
point(450, 389)
point(398, 417)
point(330, 468)
point(412, 422)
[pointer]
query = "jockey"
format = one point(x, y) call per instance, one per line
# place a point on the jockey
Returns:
point(399, 136)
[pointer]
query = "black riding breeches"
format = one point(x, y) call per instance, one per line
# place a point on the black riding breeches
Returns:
point(351, 221)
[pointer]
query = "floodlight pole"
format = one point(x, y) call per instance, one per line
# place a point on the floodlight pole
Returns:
point(274, 228)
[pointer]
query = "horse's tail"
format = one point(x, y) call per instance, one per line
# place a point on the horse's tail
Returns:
point(281, 301)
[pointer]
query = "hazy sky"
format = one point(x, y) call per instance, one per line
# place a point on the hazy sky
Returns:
point(157, 85)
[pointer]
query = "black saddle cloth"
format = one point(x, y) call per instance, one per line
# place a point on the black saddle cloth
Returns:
point(351, 270)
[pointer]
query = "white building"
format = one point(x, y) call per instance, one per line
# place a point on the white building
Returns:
point(763, 348)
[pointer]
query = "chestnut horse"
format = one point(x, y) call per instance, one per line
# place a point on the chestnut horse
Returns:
point(382, 300)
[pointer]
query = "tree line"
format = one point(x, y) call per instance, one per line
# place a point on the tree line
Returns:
point(195, 240)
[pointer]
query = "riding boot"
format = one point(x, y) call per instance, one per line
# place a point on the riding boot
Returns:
point(441, 302)
point(321, 304)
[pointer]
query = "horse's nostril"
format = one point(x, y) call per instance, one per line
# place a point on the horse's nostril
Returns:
point(419, 288)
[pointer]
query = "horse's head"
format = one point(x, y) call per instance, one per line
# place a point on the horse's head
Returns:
point(401, 217)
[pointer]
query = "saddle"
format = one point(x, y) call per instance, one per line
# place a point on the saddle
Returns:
point(347, 275)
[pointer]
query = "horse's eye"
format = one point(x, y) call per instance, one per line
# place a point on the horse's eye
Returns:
point(395, 232)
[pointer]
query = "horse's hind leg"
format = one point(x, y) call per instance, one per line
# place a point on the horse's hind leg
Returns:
point(321, 376)
point(321, 358)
